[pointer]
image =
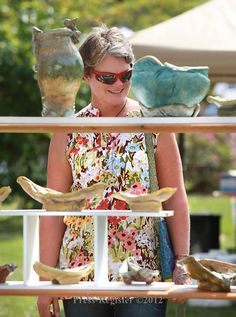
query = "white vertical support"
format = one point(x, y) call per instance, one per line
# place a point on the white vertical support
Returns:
point(100, 250)
point(31, 248)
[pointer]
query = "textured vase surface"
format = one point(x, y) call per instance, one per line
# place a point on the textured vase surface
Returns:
point(59, 69)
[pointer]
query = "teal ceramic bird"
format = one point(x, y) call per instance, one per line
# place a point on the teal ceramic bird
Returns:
point(168, 90)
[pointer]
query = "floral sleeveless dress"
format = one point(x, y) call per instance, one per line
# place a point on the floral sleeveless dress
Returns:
point(120, 161)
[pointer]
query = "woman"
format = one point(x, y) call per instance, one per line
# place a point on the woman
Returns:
point(79, 160)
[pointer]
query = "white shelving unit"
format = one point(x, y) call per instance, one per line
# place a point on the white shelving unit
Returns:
point(107, 124)
point(30, 286)
point(100, 217)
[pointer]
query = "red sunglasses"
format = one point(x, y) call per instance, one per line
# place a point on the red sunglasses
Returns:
point(110, 78)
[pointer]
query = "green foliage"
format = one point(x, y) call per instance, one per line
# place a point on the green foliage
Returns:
point(24, 154)
point(207, 155)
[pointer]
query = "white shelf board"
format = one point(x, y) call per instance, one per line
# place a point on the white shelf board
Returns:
point(114, 290)
point(122, 124)
point(44, 285)
point(129, 213)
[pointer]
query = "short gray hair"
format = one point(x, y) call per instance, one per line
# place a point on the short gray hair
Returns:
point(101, 41)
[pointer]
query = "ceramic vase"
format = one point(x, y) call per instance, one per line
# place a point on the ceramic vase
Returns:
point(59, 68)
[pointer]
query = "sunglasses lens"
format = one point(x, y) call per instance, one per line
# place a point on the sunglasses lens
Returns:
point(126, 76)
point(106, 79)
point(111, 78)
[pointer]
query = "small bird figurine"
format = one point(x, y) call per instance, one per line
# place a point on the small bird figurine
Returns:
point(5, 271)
point(131, 271)
point(168, 90)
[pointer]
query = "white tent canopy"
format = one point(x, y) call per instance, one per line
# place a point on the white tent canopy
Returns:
point(203, 36)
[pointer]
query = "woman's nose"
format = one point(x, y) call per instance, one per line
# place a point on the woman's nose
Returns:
point(118, 83)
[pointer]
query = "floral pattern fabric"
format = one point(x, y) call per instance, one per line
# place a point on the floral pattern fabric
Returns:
point(120, 161)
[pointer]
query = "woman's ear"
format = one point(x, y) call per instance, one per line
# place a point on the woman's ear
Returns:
point(86, 78)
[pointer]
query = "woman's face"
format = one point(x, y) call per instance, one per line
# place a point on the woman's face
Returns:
point(109, 95)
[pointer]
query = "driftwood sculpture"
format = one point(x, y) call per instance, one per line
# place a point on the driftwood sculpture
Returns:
point(66, 276)
point(5, 271)
point(54, 200)
point(146, 202)
point(211, 275)
point(131, 271)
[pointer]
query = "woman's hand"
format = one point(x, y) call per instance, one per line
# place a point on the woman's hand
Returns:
point(48, 306)
point(180, 277)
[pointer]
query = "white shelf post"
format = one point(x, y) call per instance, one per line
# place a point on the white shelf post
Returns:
point(100, 250)
point(31, 248)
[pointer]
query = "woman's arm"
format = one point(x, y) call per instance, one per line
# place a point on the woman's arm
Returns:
point(170, 174)
point(52, 229)
point(58, 178)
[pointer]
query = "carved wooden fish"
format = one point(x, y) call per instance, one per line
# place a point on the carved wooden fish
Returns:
point(54, 200)
point(146, 202)
point(66, 276)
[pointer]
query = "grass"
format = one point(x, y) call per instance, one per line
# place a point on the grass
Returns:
point(11, 251)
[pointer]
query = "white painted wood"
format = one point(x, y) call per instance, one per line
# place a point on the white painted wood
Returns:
point(31, 238)
point(110, 124)
point(40, 212)
point(107, 121)
point(87, 286)
point(101, 251)
point(31, 217)
point(31, 247)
